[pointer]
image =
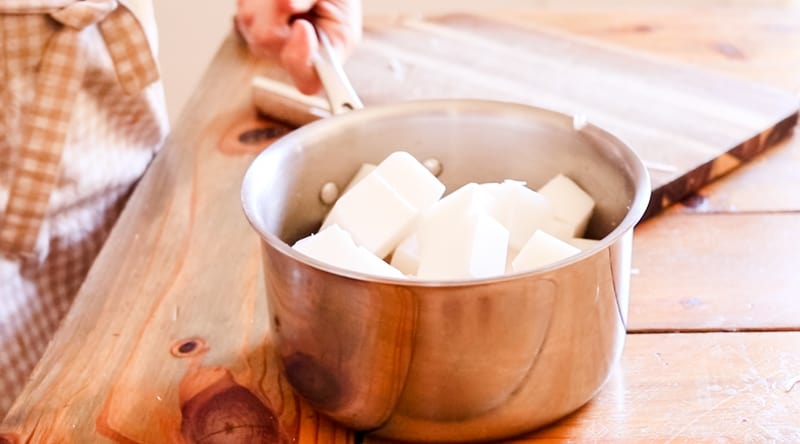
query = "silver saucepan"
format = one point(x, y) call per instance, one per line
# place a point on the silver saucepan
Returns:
point(452, 360)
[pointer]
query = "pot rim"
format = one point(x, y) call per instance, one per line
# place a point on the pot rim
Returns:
point(634, 213)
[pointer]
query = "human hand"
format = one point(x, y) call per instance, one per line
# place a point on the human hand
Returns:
point(286, 29)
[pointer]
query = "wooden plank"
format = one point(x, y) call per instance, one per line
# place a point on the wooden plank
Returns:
point(751, 45)
point(716, 271)
point(702, 387)
point(171, 320)
point(690, 125)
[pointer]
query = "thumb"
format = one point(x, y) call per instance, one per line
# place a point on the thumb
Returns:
point(297, 57)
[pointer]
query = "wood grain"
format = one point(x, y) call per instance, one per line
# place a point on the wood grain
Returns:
point(716, 271)
point(675, 388)
point(689, 125)
point(173, 320)
point(747, 42)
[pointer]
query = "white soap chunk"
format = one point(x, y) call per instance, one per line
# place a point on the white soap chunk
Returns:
point(330, 245)
point(582, 243)
point(512, 253)
point(542, 249)
point(520, 209)
point(406, 256)
point(468, 200)
point(375, 214)
point(394, 211)
point(411, 179)
point(559, 228)
point(469, 247)
point(362, 172)
point(334, 246)
point(498, 206)
point(371, 264)
point(571, 204)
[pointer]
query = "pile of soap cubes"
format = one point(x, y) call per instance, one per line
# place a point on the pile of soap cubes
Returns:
point(392, 221)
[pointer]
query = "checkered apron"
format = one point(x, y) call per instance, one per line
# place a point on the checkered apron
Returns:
point(81, 116)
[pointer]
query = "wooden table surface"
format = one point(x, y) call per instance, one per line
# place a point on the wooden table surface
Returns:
point(167, 340)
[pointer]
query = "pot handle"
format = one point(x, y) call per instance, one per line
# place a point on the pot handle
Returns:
point(341, 95)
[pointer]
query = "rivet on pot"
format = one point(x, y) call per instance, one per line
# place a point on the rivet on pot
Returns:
point(433, 165)
point(329, 193)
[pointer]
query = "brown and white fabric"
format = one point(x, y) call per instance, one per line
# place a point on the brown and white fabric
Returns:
point(81, 115)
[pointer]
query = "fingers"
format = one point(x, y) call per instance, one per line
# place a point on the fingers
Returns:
point(262, 25)
point(297, 57)
point(268, 28)
point(341, 20)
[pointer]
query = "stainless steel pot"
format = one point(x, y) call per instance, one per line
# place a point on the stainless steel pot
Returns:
point(447, 361)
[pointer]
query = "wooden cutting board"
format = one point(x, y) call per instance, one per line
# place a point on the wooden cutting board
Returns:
point(690, 126)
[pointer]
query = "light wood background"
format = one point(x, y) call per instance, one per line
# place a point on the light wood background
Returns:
point(189, 35)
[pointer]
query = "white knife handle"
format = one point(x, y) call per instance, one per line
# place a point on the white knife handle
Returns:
point(340, 92)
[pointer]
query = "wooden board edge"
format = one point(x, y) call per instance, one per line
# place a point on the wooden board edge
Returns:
point(684, 186)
